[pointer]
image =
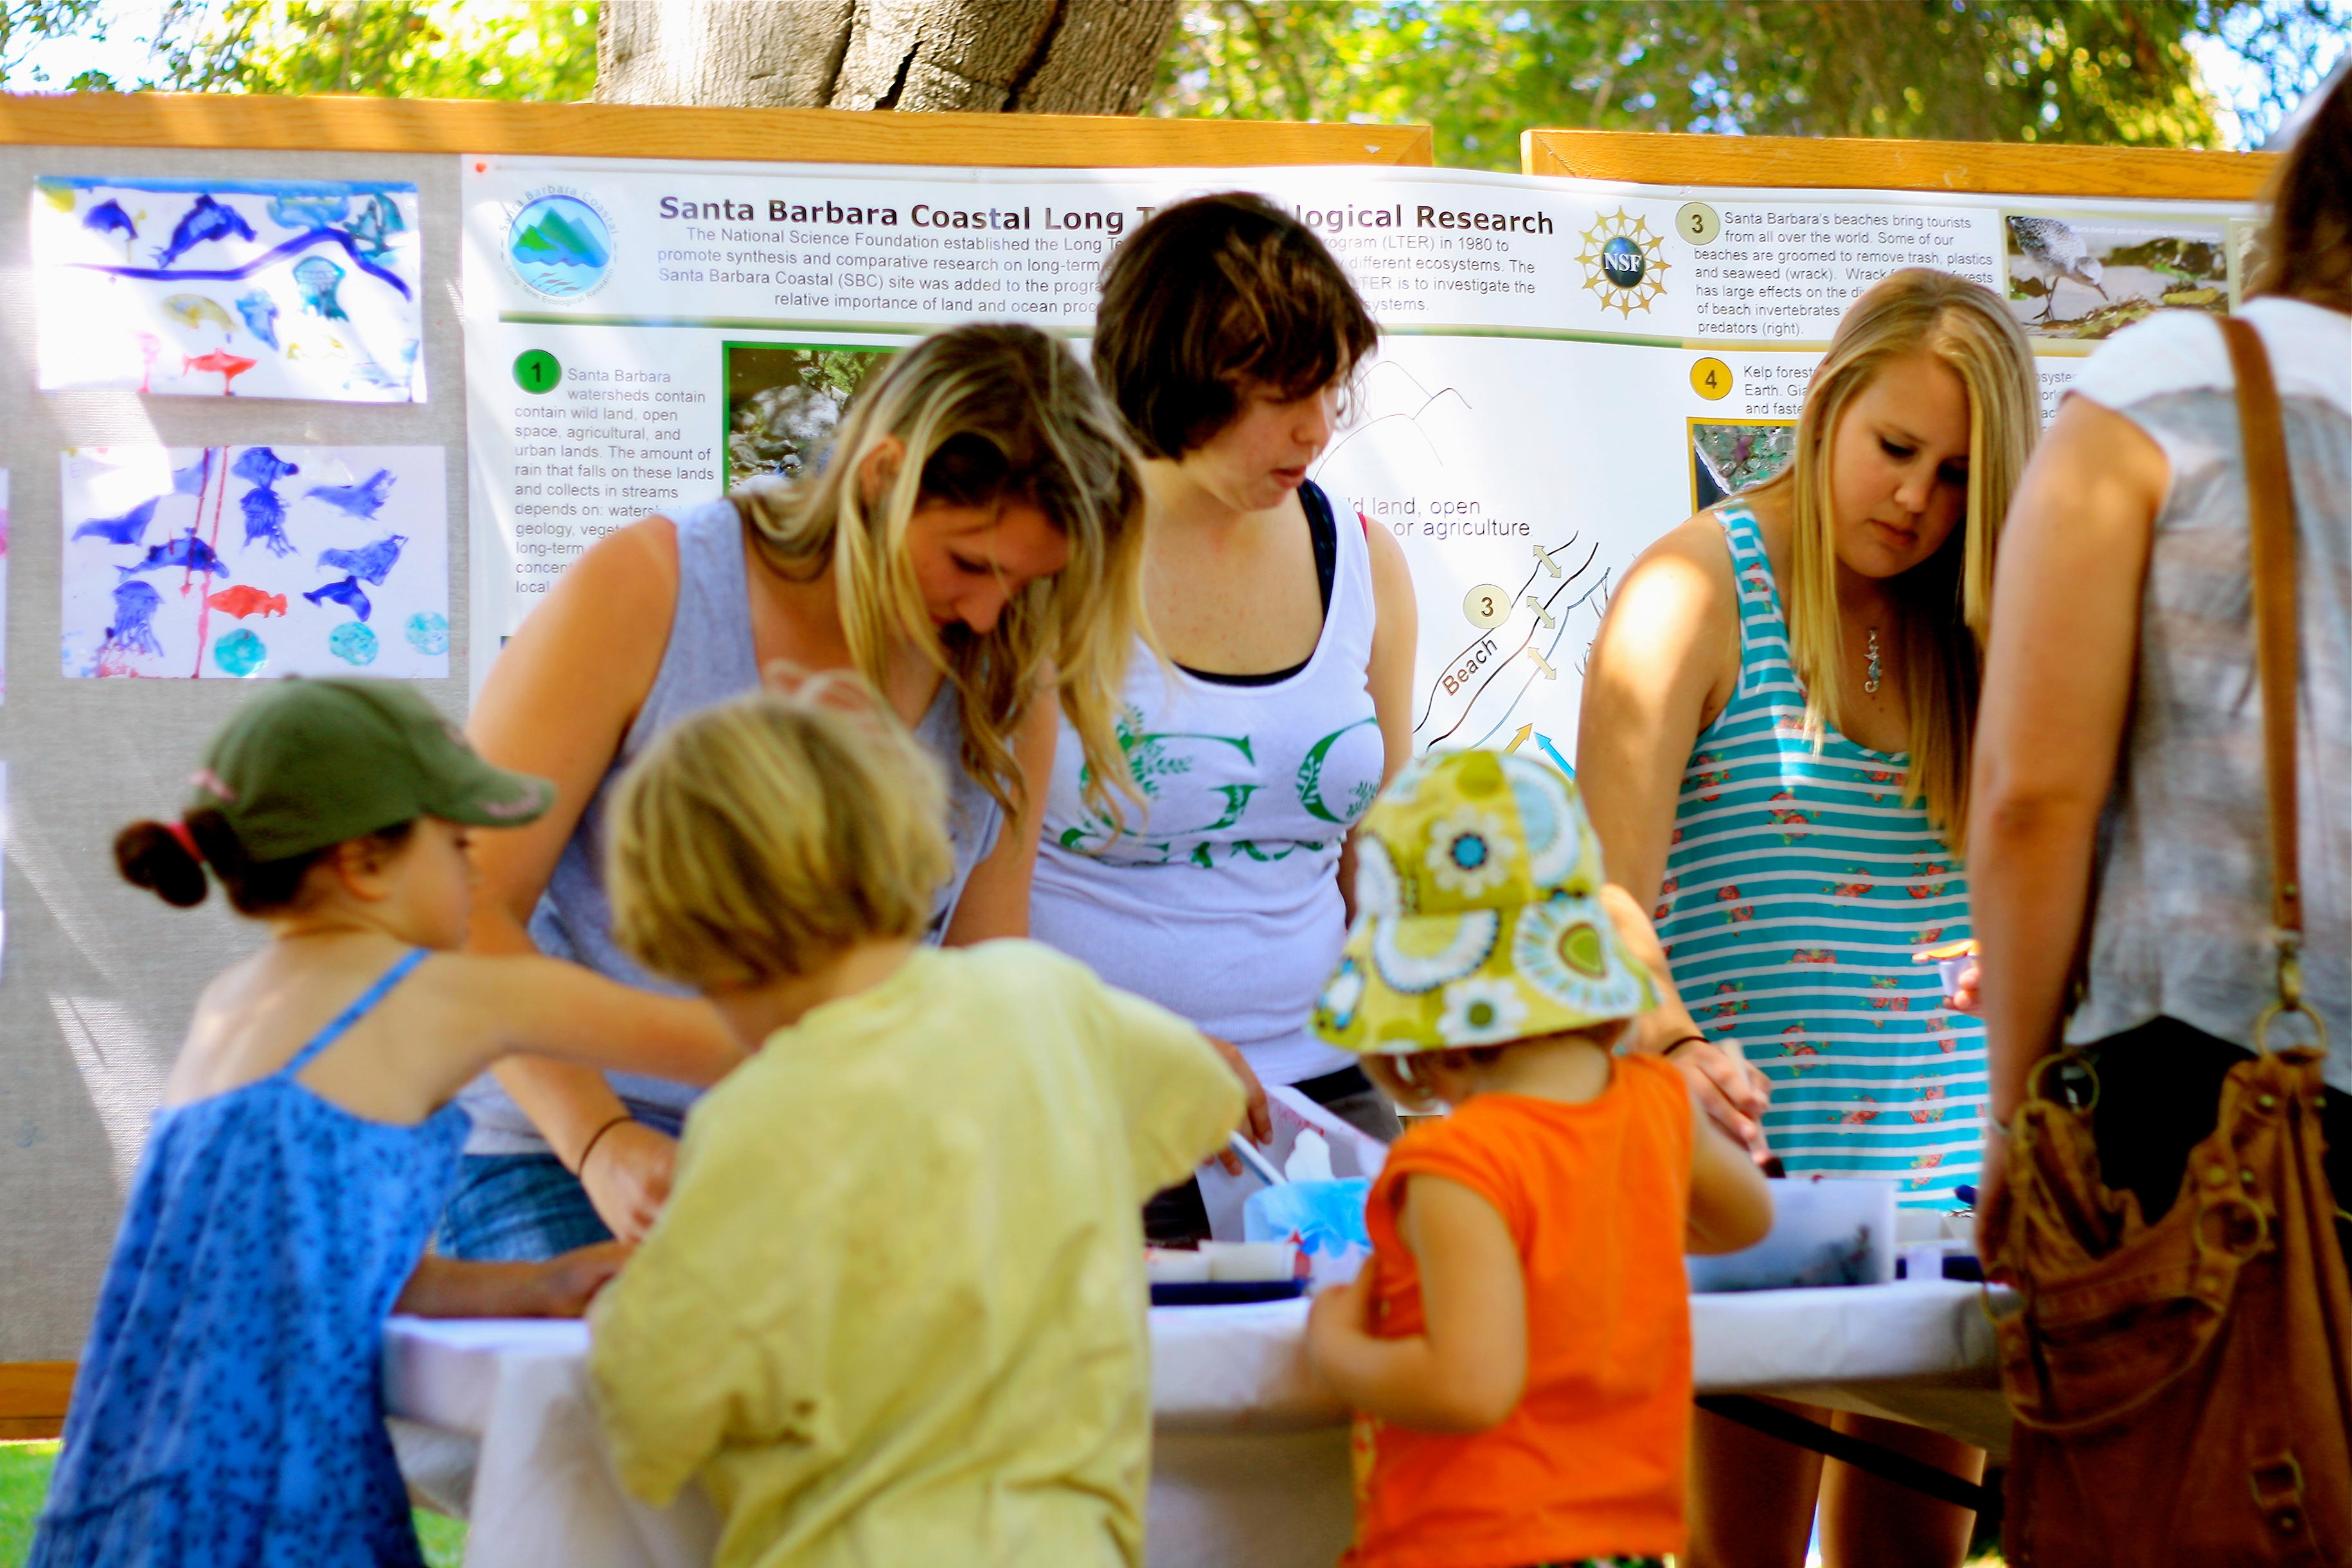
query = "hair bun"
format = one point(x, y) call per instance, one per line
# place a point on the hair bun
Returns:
point(149, 855)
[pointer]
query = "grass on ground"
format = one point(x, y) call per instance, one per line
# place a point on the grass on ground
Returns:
point(25, 1480)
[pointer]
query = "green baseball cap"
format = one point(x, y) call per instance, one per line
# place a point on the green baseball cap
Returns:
point(307, 763)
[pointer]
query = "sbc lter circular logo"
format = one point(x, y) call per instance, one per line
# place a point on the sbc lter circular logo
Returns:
point(560, 243)
point(1624, 262)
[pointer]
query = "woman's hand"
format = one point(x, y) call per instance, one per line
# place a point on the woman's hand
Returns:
point(1732, 1093)
point(1993, 1198)
point(1257, 1120)
point(564, 1285)
point(1964, 996)
point(627, 1175)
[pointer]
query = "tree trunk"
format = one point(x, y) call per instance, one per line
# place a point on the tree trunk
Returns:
point(1039, 57)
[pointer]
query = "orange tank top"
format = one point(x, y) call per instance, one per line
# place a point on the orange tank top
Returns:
point(1590, 1461)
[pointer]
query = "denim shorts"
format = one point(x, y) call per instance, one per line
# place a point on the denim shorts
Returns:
point(516, 1208)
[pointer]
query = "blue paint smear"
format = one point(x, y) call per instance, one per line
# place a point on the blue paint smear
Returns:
point(370, 561)
point(346, 592)
point(265, 520)
point(428, 634)
point(235, 187)
point(135, 604)
point(128, 529)
point(241, 653)
point(260, 466)
point(352, 642)
point(186, 551)
point(274, 254)
point(361, 500)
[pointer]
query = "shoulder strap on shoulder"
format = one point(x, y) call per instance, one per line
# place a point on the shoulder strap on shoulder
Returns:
point(2270, 491)
point(351, 1015)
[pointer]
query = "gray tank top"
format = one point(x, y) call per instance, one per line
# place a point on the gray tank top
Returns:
point(709, 659)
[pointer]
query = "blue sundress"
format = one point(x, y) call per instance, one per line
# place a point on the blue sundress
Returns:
point(1797, 887)
point(229, 1408)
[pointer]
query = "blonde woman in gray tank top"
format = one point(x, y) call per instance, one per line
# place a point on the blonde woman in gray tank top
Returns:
point(2119, 762)
point(975, 537)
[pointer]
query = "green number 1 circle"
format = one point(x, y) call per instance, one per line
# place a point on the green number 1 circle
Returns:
point(536, 371)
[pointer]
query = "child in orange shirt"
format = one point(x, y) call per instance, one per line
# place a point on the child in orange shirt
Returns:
point(1518, 1350)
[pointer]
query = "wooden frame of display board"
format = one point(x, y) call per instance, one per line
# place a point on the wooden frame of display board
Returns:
point(351, 124)
point(1857, 163)
point(59, 1226)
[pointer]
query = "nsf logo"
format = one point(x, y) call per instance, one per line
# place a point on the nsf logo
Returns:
point(1624, 262)
point(560, 243)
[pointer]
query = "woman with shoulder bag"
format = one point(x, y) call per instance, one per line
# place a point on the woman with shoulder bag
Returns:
point(2157, 1193)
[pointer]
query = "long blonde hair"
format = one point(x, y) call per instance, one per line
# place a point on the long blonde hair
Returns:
point(1944, 606)
point(985, 413)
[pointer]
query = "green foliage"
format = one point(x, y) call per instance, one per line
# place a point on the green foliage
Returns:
point(538, 49)
point(26, 24)
point(2117, 72)
point(25, 1481)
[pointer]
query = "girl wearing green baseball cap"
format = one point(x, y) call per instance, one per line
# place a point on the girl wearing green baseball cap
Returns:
point(226, 1409)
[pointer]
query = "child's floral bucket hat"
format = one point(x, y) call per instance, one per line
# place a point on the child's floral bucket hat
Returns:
point(1478, 916)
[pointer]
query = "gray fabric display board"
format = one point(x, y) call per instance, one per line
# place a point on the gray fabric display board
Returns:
point(96, 977)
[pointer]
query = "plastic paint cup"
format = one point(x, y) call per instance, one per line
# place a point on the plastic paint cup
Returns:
point(1235, 1262)
point(1167, 1266)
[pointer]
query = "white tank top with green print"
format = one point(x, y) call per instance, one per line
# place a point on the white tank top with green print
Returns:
point(1797, 887)
point(1218, 897)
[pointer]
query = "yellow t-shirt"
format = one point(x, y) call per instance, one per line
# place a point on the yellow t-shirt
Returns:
point(894, 1312)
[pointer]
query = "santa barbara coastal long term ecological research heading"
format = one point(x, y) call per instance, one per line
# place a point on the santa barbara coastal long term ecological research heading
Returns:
point(1567, 368)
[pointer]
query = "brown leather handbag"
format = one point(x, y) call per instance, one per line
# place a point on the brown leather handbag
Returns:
point(2182, 1390)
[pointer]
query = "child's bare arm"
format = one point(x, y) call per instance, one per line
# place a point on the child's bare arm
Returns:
point(561, 1288)
point(1730, 1205)
point(544, 1006)
point(1467, 1371)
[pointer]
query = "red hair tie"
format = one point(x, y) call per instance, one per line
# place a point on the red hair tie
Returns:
point(179, 830)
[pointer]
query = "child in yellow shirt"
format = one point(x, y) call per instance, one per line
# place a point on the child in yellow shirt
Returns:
point(895, 1312)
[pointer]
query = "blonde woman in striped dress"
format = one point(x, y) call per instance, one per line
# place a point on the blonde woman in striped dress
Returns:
point(1775, 751)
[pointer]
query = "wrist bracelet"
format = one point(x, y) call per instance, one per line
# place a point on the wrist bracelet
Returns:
point(1677, 1045)
point(1996, 1124)
point(580, 1166)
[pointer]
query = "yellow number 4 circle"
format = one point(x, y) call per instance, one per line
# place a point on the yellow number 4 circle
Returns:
point(1712, 379)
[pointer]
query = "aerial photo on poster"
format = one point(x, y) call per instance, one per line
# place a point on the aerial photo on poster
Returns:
point(230, 288)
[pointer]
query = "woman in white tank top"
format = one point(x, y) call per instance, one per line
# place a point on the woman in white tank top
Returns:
point(1288, 639)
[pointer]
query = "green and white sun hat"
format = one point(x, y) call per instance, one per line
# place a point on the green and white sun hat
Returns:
point(1478, 915)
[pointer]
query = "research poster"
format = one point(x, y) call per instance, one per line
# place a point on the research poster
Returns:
point(1567, 369)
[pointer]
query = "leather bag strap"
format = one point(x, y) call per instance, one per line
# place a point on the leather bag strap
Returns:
point(2270, 493)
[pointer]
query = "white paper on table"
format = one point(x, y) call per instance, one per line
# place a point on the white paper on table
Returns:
point(230, 288)
point(235, 562)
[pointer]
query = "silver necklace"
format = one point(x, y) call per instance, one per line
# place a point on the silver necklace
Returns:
point(1871, 677)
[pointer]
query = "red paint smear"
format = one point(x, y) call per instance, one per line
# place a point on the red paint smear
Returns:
point(204, 608)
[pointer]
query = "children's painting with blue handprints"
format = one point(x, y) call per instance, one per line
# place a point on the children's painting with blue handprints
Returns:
point(230, 288)
point(235, 562)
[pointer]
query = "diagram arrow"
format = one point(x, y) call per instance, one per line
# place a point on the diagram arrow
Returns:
point(1541, 614)
point(1545, 556)
point(1546, 671)
point(1520, 738)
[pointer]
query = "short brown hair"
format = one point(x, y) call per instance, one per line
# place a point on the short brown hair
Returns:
point(756, 839)
point(2306, 249)
point(1210, 298)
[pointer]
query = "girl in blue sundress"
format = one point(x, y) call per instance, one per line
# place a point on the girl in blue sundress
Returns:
point(1774, 748)
point(227, 1407)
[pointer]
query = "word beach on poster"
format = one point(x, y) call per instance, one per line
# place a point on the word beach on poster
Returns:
point(234, 562)
point(229, 288)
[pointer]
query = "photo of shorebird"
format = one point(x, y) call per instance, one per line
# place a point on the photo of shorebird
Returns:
point(2073, 275)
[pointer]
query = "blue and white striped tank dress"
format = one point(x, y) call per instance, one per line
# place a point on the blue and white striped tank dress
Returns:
point(1797, 887)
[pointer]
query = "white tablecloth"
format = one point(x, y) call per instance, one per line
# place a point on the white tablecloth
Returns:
point(1249, 1454)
